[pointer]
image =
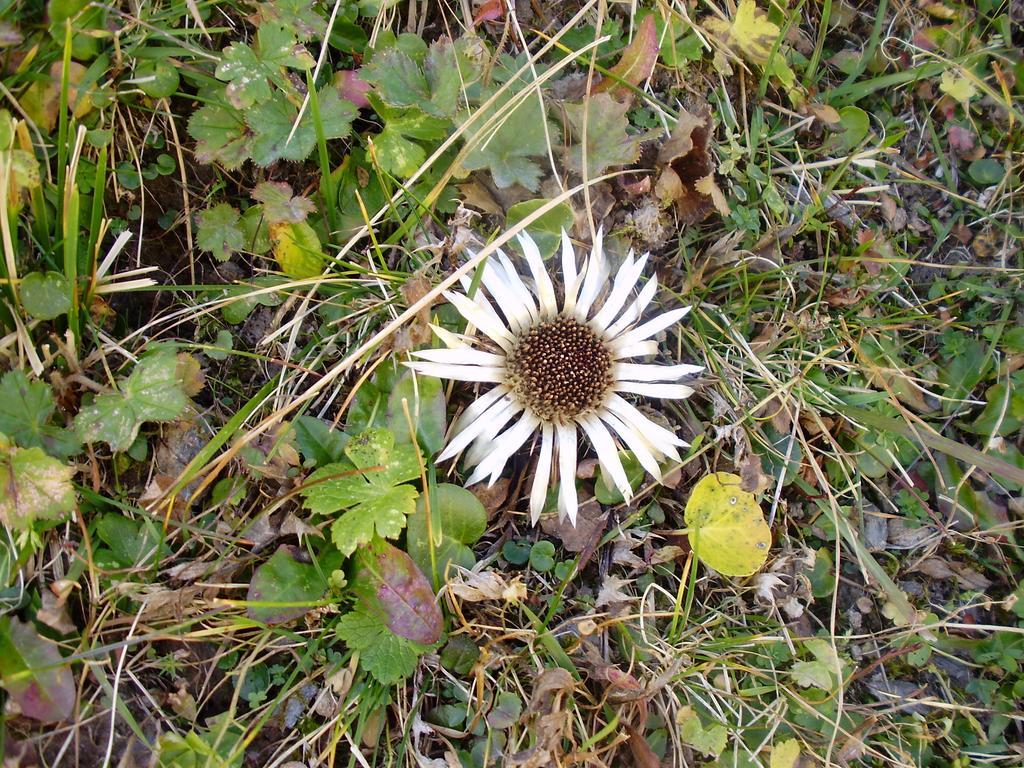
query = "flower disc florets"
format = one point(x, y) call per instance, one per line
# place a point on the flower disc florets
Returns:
point(559, 369)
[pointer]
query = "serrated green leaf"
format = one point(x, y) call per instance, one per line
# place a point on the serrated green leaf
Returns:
point(370, 486)
point(284, 578)
point(272, 121)
point(220, 231)
point(153, 392)
point(248, 71)
point(25, 410)
point(34, 673)
point(44, 294)
point(608, 143)
point(399, 79)
point(382, 653)
point(506, 147)
point(812, 674)
point(546, 231)
point(35, 486)
point(221, 135)
point(280, 205)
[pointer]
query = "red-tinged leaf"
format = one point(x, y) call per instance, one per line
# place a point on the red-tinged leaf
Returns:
point(34, 673)
point(352, 87)
point(284, 587)
point(961, 140)
point(636, 65)
point(492, 10)
point(643, 755)
point(390, 586)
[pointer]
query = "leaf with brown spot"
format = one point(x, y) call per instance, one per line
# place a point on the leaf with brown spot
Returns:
point(389, 586)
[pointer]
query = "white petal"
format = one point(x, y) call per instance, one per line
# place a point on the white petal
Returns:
point(661, 438)
point(567, 502)
point(487, 374)
point(634, 310)
point(596, 277)
point(451, 340)
point(461, 356)
point(637, 372)
point(664, 391)
point(569, 273)
point(491, 420)
point(493, 278)
point(507, 443)
point(515, 282)
point(607, 454)
point(541, 279)
point(480, 318)
point(484, 443)
point(637, 349)
point(539, 491)
point(477, 407)
point(636, 442)
point(650, 328)
point(625, 281)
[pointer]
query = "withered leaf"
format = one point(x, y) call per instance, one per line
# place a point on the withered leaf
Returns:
point(687, 178)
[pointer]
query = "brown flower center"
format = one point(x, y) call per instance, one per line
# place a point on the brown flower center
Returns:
point(559, 369)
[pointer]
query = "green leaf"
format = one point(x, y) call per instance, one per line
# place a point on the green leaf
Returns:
point(546, 231)
point(221, 135)
point(382, 653)
point(635, 65)
point(131, 543)
point(35, 486)
point(457, 520)
point(25, 411)
point(220, 231)
point(396, 154)
point(272, 121)
point(297, 249)
point(424, 396)
point(370, 486)
point(607, 142)
point(505, 148)
point(986, 172)
point(153, 392)
point(727, 528)
point(962, 372)
point(708, 740)
point(319, 443)
point(248, 71)
point(435, 87)
point(542, 556)
point(157, 79)
point(44, 294)
point(280, 205)
point(284, 578)
point(34, 673)
point(388, 585)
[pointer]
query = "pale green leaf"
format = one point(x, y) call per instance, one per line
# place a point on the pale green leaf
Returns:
point(221, 135)
point(280, 205)
point(599, 125)
point(44, 294)
point(35, 486)
point(708, 740)
point(220, 231)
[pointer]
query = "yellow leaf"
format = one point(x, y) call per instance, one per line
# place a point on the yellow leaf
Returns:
point(956, 87)
point(750, 32)
point(726, 526)
point(785, 754)
point(297, 249)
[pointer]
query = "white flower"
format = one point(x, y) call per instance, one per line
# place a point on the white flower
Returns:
point(558, 369)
